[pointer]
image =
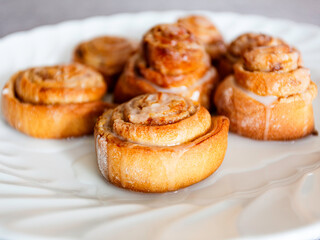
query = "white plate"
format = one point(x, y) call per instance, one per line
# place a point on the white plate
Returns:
point(52, 188)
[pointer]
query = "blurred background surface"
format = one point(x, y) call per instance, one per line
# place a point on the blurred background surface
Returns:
point(18, 15)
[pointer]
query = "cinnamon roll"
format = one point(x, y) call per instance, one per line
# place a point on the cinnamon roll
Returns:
point(54, 102)
point(270, 95)
point(241, 44)
point(159, 142)
point(207, 33)
point(106, 54)
point(170, 60)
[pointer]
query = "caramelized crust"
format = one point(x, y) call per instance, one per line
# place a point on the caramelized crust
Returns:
point(240, 45)
point(159, 142)
point(272, 71)
point(170, 81)
point(72, 83)
point(172, 50)
point(171, 60)
point(206, 32)
point(61, 119)
point(249, 41)
point(281, 58)
point(106, 54)
point(132, 84)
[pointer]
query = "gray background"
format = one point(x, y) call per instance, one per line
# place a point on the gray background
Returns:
point(17, 15)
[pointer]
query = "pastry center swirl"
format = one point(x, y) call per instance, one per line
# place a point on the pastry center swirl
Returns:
point(250, 41)
point(71, 83)
point(171, 34)
point(69, 76)
point(158, 109)
point(107, 47)
point(172, 50)
point(272, 58)
point(201, 27)
point(160, 119)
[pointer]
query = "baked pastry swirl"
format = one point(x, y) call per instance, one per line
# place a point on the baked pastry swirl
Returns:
point(159, 142)
point(54, 102)
point(240, 45)
point(207, 33)
point(270, 95)
point(170, 60)
point(106, 54)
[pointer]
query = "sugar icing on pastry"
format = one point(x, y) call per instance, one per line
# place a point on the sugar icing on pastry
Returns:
point(54, 102)
point(171, 59)
point(159, 142)
point(270, 95)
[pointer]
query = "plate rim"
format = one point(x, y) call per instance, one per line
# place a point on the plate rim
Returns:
point(305, 230)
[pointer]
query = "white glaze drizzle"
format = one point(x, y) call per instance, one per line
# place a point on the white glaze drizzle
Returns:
point(265, 100)
point(266, 128)
point(207, 77)
point(5, 91)
point(180, 208)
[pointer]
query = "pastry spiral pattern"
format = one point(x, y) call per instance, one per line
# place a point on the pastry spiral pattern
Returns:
point(270, 95)
point(55, 101)
point(240, 45)
point(206, 32)
point(170, 60)
point(159, 142)
point(106, 54)
point(272, 71)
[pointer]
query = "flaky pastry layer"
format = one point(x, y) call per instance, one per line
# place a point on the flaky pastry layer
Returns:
point(132, 84)
point(159, 142)
point(49, 120)
point(242, 44)
point(106, 54)
point(284, 118)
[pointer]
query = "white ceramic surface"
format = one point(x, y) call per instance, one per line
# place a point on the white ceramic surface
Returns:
point(51, 189)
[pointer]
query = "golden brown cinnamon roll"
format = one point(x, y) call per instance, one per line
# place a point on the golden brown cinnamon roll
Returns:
point(270, 95)
point(171, 60)
point(159, 142)
point(207, 33)
point(242, 44)
point(54, 102)
point(274, 70)
point(106, 54)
